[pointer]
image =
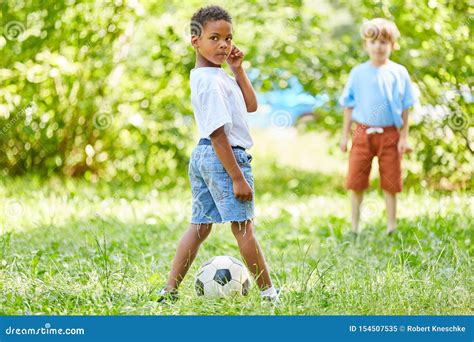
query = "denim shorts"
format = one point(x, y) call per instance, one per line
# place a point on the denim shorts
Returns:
point(212, 187)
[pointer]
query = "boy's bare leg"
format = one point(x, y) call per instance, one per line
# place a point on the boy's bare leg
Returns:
point(252, 253)
point(391, 202)
point(356, 200)
point(186, 252)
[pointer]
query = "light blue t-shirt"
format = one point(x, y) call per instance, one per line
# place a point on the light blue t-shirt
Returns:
point(378, 95)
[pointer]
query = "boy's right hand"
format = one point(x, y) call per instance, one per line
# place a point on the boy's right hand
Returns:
point(343, 144)
point(242, 190)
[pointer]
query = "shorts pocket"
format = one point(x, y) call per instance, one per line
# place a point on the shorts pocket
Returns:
point(391, 139)
point(213, 166)
point(249, 178)
point(219, 186)
point(357, 137)
point(243, 158)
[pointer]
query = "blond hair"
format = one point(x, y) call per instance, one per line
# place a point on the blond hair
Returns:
point(380, 28)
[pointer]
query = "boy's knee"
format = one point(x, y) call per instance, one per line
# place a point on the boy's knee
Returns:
point(242, 229)
point(202, 230)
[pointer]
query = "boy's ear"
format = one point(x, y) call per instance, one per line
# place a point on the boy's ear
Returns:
point(195, 41)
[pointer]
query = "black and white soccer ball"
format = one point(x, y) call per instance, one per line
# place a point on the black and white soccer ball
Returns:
point(222, 276)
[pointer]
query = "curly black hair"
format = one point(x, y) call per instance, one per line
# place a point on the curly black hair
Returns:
point(205, 14)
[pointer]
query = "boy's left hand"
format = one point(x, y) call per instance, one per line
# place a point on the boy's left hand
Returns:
point(403, 146)
point(235, 58)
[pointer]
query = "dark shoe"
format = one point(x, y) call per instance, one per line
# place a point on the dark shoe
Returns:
point(167, 296)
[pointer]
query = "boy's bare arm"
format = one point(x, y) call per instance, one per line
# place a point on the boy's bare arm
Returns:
point(224, 152)
point(404, 130)
point(403, 146)
point(346, 128)
point(247, 89)
point(235, 63)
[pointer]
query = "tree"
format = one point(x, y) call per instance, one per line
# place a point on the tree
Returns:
point(100, 88)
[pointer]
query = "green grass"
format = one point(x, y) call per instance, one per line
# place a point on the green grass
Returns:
point(69, 247)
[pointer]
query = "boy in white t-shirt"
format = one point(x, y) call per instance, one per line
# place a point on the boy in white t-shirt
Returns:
point(219, 169)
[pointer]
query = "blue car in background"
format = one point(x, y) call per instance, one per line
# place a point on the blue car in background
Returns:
point(284, 107)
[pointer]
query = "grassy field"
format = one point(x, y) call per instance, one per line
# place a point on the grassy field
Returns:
point(69, 247)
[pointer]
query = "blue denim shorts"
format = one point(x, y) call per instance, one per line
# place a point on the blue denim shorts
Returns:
point(213, 192)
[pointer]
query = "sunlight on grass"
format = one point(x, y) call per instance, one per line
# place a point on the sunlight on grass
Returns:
point(308, 152)
point(70, 247)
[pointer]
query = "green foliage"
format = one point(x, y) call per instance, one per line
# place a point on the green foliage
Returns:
point(55, 74)
point(321, 44)
point(436, 47)
point(101, 88)
point(66, 106)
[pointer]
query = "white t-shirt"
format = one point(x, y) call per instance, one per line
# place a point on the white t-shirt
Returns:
point(218, 101)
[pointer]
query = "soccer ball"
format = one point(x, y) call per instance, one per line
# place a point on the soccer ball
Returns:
point(222, 276)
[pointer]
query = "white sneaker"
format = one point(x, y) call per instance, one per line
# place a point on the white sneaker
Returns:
point(275, 299)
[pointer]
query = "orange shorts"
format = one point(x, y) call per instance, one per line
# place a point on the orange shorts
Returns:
point(365, 147)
